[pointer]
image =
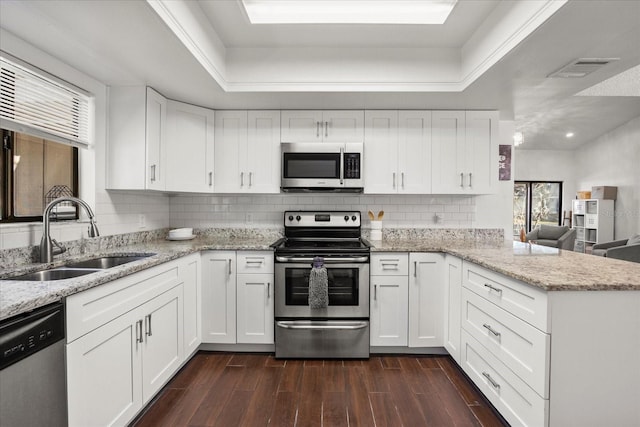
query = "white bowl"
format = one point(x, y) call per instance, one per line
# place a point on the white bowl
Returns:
point(181, 232)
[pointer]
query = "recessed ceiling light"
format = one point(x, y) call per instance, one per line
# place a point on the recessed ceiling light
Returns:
point(518, 138)
point(569, 134)
point(348, 11)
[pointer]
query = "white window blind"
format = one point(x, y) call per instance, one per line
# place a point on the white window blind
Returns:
point(35, 103)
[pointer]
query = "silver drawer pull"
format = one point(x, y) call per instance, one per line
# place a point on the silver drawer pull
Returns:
point(309, 325)
point(491, 380)
point(147, 325)
point(493, 288)
point(490, 329)
point(139, 337)
point(229, 267)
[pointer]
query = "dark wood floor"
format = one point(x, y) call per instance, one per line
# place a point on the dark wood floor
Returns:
point(236, 389)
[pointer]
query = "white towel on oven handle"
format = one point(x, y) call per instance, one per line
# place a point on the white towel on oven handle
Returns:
point(318, 285)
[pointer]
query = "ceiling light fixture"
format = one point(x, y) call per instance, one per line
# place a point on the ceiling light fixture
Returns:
point(569, 134)
point(348, 11)
point(518, 138)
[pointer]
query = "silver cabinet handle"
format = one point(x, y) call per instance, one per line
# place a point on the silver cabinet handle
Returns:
point(394, 180)
point(415, 268)
point(241, 179)
point(493, 288)
point(317, 129)
point(139, 331)
point(326, 129)
point(461, 180)
point(375, 292)
point(250, 179)
point(147, 325)
point(268, 290)
point(229, 266)
point(470, 175)
point(389, 264)
point(402, 179)
point(254, 262)
point(491, 380)
point(210, 179)
point(490, 329)
point(153, 173)
point(336, 260)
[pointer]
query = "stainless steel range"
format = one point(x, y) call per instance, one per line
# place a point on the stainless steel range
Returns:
point(341, 329)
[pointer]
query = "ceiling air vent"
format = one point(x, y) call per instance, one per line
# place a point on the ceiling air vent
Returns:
point(581, 67)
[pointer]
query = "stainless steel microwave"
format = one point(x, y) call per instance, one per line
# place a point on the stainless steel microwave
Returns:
point(322, 166)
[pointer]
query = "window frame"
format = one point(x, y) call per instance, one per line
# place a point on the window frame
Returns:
point(7, 213)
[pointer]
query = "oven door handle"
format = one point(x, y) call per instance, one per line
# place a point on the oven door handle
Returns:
point(342, 325)
point(326, 260)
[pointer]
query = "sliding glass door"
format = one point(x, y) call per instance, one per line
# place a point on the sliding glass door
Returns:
point(536, 203)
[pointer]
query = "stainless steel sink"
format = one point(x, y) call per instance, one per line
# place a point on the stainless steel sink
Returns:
point(55, 274)
point(107, 261)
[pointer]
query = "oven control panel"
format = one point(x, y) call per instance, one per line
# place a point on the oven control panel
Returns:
point(322, 219)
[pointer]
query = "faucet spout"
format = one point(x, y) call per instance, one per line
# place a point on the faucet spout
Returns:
point(47, 244)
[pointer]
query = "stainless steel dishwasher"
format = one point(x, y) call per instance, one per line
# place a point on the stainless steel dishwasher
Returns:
point(32, 369)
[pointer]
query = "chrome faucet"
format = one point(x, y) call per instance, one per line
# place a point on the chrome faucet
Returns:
point(47, 249)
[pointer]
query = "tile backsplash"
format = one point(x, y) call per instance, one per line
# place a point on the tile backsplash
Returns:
point(265, 211)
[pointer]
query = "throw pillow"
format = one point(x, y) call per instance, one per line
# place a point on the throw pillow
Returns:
point(634, 240)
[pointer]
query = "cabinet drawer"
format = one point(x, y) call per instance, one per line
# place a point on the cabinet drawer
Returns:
point(254, 262)
point(523, 301)
point(390, 264)
point(94, 307)
point(520, 346)
point(516, 402)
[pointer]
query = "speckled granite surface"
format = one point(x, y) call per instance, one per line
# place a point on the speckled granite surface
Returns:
point(547, 268)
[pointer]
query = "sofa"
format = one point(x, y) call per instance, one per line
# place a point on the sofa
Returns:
point(556, 236)
point(625, 249)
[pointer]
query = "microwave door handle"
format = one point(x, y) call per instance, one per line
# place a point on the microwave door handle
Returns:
point(341, 166)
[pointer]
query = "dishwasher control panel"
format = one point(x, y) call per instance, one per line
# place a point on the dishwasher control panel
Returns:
point(26, 334)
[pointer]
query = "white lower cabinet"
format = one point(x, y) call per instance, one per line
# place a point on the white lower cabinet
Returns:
point(116, 369)
point(255, 304)
point(190, 272)
point(452, 305)
point(388, 310)
point(219, 297)
point(237, 297)
point(426, 300)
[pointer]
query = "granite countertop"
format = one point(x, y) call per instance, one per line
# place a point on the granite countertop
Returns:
point(546, 268)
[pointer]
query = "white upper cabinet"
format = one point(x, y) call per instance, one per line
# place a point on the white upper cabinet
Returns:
point(189, 148)
point(397, 152)
point(247, 152)
point(136, 138)
point(465, 154)
point(319, 126)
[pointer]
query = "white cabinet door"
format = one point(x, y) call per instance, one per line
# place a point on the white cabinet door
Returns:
point(452, 305)
point(343, 126)
point(426, 300)
point(262, 152)
point(316, 126)
point(219, 297)
point(103, 374)
point(448, 165)
point(381, 151)
point(255, 308)
point(301, 126)
point(156, 135)
point(163, 340)
point(230, 139)
point(189, 148)
point(388, 310)
point(481, 150)
point(414, 152)
point(191, 281)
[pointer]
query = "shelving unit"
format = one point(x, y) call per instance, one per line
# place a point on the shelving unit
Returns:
point(593, 220)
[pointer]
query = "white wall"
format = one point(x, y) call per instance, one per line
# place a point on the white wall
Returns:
point(116, 213)
point(614, 160)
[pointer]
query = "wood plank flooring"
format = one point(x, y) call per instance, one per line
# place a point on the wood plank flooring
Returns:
point(239, 389)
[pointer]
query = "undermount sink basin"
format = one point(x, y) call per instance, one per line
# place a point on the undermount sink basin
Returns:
point(107, 261)
point(55, 274)
point(81, 268)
